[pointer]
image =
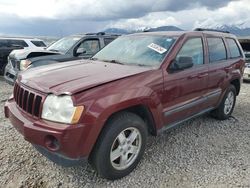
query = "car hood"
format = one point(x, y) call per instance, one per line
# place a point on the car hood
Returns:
point(23, 53)
point(75, 76)
point(53, 57)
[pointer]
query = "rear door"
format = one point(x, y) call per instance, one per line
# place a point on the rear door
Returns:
point(184, 89)
point(219, 69)
point(225, 64)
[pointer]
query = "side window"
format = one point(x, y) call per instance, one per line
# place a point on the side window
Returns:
point(234, 48)
point(108, 40)
point(217, 50)
point(90, 47)
point(38, 43)
point(18, 43)
point(3, 43)
point(192, 50)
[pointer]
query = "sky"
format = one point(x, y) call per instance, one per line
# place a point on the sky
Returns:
point(64, 17)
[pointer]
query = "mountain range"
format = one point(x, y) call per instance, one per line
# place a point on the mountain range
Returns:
point(236, 30)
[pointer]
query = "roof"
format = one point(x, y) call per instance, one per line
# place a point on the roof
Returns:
point(19, 38)
point(162, 33)
point(179, 33)
point(95, 34)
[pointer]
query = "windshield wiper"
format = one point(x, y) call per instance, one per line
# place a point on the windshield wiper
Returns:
point(139, 64)
point(113, 61)
point(94, 59)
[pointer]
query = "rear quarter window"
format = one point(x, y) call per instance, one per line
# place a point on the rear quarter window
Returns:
point(217, 49)
point(234, 48)
point(38, 43)
point(108, 40)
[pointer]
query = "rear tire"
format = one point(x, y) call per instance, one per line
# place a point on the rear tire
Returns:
point(120, 146)
point(227, 104)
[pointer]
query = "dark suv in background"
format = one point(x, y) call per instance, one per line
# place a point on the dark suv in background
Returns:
point(102, 110)
point(80, 46)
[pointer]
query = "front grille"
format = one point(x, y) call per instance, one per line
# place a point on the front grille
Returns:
point(247, 55)
point(29, 101)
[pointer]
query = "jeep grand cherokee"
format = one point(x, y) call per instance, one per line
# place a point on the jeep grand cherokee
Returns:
point(102, 110)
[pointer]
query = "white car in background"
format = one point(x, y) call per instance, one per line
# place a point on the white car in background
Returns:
point(246, 75)
point(245, 44)
point(9, 44)
point(26, 43)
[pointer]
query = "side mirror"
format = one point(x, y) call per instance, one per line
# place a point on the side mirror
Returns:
point(80, 51)
point(184, 62)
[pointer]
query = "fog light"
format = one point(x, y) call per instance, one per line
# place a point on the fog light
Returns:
point(51, 143)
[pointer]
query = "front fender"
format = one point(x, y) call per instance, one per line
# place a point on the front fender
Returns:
point(119, 101)
point(100, 110)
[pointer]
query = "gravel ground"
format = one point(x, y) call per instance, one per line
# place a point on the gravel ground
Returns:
point(201, 153)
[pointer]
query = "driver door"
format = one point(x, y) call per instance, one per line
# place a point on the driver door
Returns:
point(184, 89)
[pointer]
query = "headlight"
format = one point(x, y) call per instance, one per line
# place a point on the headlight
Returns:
point(24, 64)
point(60, 109)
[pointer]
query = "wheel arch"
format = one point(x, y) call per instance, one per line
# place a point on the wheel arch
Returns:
point(143, 111)
point(236, 84)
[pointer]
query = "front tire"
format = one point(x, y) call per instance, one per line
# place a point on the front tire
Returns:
point(3, 70)
point(227, 104)
point(120, 146)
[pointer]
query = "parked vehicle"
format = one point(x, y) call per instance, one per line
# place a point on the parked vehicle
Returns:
point(245, 44)
point(82, 46)
point(8, 44)
point(5, 50)
point(103, 109)
point(26, 43)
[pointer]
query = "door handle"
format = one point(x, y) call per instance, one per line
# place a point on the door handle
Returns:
point(202, 75)
point(193, 76)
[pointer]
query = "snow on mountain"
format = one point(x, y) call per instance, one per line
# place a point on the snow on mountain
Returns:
point(238, 29)
point(124, 31)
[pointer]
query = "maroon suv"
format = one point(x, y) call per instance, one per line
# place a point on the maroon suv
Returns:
point(102, 109)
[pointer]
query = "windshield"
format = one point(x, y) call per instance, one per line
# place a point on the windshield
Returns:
point(64, 44)
point(146, 50)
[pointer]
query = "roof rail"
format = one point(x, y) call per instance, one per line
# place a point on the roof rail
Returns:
point(146, 30)
point(215, 30)
point(89, 34)
point(100, 33)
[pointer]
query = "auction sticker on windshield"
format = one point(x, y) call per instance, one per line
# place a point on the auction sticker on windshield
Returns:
point(157, 48)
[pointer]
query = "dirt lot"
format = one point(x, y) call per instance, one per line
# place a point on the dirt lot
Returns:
point(201, 153)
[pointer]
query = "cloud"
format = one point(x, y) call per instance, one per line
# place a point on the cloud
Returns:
point(64, 17)
point(12, 25)
point(235, 13)
point(193, 18)
point(99, 9)
point(150, 20)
